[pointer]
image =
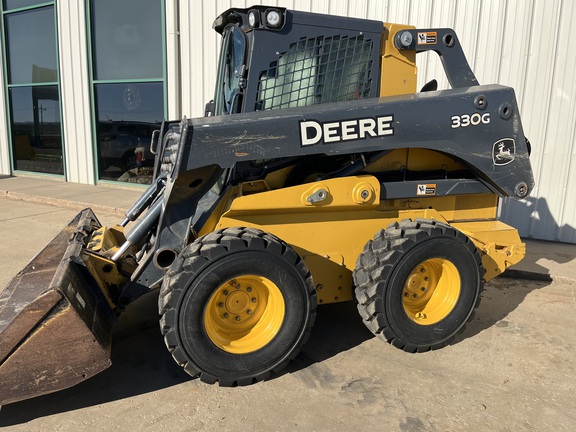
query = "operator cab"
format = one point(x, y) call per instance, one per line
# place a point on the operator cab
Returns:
point(260, 68)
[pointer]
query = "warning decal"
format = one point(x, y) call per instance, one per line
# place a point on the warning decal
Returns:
point(426, 189)
point(427, 38)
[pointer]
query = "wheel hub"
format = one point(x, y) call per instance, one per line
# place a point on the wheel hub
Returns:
point(237, 302)
point(244, 314)
point(431, 291)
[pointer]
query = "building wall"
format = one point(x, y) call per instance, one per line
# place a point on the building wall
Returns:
point(75, 91)
point(526, 44)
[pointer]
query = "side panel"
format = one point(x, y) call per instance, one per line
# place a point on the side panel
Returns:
point(329, 222)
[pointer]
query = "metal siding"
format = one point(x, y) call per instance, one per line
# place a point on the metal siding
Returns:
point(549, 116)
point(198, 54)
point(556, 191)
point(74, 91)
point(173, 59)
point(522, 43)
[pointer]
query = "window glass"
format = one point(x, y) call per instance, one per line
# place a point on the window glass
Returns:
point(231, 67)
point(31, 40)
point(126, 116)
point(16, 4)
point(235, 55)
point(127, 39)
point(36, 129)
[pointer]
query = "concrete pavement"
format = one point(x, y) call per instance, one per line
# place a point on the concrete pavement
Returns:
point(544, 259)
point(511, 369)
point(55, 192)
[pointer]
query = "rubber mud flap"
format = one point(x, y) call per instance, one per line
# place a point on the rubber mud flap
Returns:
point(55, 324)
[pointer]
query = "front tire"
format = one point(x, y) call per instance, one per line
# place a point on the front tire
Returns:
point(236, 305)
point(418, 283)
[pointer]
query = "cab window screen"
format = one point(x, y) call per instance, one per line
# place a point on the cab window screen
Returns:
point(317, 70)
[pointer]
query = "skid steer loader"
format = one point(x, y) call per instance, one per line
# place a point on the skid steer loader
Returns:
point(318, 175)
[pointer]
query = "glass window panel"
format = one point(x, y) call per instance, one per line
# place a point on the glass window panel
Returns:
point(16, 4)
point(127, 39)
point(127, 114)
point(36, 132)
point(32, 46)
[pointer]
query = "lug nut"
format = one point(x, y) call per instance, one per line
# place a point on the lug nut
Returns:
point(249, 289)
point(225, 292)
point(220, 304)
point(226, 315)
point(249, 311)
point(238, 318)
point(254, 300)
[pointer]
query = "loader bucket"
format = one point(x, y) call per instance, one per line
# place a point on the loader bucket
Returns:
point(55, 324)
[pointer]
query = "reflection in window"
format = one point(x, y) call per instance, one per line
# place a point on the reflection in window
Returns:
point(16, 4)
point(35, 123)
point(127, 38)
point(31, 43)
point(126, 116)
point(127, 45)
point(36, 129)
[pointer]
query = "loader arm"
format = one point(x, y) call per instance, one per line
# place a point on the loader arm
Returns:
point(449, 121)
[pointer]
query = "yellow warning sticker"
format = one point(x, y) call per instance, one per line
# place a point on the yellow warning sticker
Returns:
point(427, 38)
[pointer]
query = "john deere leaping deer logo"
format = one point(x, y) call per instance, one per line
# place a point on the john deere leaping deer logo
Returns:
point(504, 151)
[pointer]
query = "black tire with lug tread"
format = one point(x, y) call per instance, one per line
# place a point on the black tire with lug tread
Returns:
point(418, 283)
point(236, 305)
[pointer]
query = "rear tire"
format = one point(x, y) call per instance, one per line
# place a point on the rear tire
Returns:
point(236, 305)
point(418, 283)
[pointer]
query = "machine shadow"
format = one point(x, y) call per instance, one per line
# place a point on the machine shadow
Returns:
point(142, 364)
point(338, 328)
point(500, 297)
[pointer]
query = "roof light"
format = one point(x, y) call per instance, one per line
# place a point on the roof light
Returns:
point(254, 18)
point(273, 18)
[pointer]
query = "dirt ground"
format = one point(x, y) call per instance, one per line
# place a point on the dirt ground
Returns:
point(512, 369)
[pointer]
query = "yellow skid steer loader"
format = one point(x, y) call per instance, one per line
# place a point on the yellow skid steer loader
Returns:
point(318, 175)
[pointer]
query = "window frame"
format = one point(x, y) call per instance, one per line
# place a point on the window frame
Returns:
point(94, 82)
point(8, 86)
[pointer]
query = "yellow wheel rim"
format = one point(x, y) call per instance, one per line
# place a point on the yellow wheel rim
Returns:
point(431, 291)
point(244, 314)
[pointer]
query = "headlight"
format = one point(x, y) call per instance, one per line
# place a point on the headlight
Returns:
point(254, 18)
point(273, 18)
